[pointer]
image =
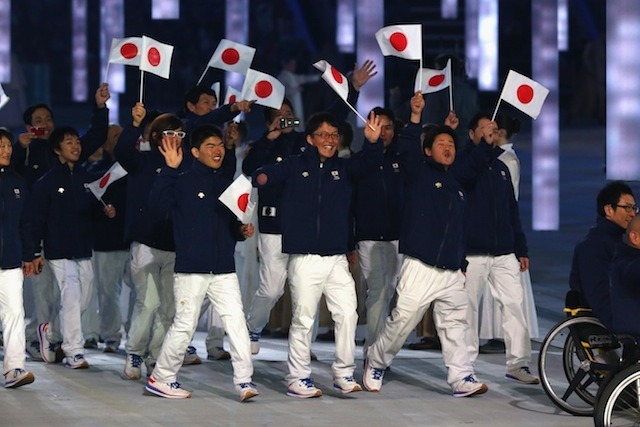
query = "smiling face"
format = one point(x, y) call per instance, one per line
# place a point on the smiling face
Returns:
point(210, 153)
point(622, 212)
point(443, 150)
point(325, 139)
point(70, 149)
point(5, 151)
point(41, 118)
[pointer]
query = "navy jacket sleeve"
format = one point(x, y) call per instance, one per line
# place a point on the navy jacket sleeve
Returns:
point(125, 151)
point(229, 163)
point(592, 263)
point(258, 155)
point(34, 221)
point(372, 157)
point(218, 117)
point(468, 166)
point(410, 148)
point(276, 173)
point(96, 136)
point(162, 197)
point(520, 238)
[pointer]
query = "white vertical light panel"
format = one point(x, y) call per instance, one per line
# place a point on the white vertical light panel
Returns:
point(545, 130)
point(112, 26)
point(165, 9)
point(79, 50)
point(345, 26)
point(623, 89)
point(236, 29)
point(472, 49)
point(5, 41)
point(369, 19)
point(449, 9)
point(488, 44)
point(563, 25)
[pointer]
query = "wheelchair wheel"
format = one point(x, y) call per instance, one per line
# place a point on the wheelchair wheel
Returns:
point(619, 402)
point(565, 371)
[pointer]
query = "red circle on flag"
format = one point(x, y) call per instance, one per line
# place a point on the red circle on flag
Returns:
point(230, 56)
point(243, 201)
point(436, 80)
point(337, 76)
point(154, 56)
point(263, 89)
point(232, 99)
point(525, 94)
point(398, 41)
point(105, 180)
point(129, 50)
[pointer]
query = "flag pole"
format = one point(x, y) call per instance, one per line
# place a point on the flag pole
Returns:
point(358, 114)
point(106, 73)
point(141, 84)
point(496, 110)
point(101, 201)
point(202, 76)
point(420, 73)
point(450, 85)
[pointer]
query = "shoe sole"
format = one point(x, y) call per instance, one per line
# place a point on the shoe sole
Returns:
point(27, 379)
point(248, 396)
point(317, 393)
point(197, 361)
point(482, 390)
point(40, 334)
point(343, 391)
point(513, 378)
point(83, 365)
point(131, 377)
point(157, 392)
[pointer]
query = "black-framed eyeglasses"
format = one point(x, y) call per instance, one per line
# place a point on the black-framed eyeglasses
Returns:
point(630, 208)
point(325, 135)
point(171, 133)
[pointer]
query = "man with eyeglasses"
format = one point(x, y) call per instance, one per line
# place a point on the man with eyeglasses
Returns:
point(592, 257)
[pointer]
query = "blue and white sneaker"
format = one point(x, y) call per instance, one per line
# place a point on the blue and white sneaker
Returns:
point(47, 348)
point(76, 362)
point(33, 350)
point(469, 386)
point(169, 390)
point(372, 378)
point(254, 337)
point(247, 391)
point(303, 388)
point(132, 367)
point(523, 375)
point(191, 357)
point(346, 385)
point(17, 377)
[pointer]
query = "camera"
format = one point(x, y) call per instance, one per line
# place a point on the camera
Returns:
point(287, 123)
point(37, 131)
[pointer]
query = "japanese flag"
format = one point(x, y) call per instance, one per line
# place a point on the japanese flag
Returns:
point(126, 51)
point(334, 78)
point(404, 41)
point(3, 98)
point(236, 198)
point(433, 80)
point(232, 56)
point(99, 186)
point(156, 57)
point(266, 90)
point(216, 89)
point(232, 96)
point(524, 94)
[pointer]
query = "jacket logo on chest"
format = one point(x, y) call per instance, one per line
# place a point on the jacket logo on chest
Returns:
point(16, 191)
point(60, 190)
point(396, 167)
point(158, 170)
point(336, 175)
point(461, 195)
point(86, 187)
point(36, 166)
point(201, 195)
point(438, 184)
point(278, 159)
point(504, 175)
point(305, 174)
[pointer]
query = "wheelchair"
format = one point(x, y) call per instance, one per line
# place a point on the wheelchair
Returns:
point(576, 357)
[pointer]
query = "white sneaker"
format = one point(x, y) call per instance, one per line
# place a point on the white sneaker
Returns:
point(346, 385)
point(303, 388)
point(168, 390)
point(132, 368)
point(218, 354)
point(17, 377)
point(247, 391)
point(47, 348)
point(469, 386)
point(372, 378)
point(255, 342)
point(191, 357)
point(76, 362)
point(522, 375)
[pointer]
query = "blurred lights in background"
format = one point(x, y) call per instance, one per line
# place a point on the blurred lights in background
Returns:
point(345, 26)
point(370, 18)
point(488, 45)
point(5, 41)
point(563, 25)
point(237, 30)
point(79, 50)
point(449, 9)
point(112, 26)
point(165, 9)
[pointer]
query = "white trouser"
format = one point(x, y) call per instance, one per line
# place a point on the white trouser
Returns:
point(273, 273)
point(224, 292)
point(215, 327)
point(502, 275)
point(152, 275)
point(310, 277)
point(46, 299)
point(74, 278)
point(12, 318)
point(420, 285)
point(247, 268)
point(110, 269)
point(90, 317)
point(380, 263)
point(491, 317)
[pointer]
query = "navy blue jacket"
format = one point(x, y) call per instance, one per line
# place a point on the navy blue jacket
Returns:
point(493, 217)
point(591, 266)
point(36, 160)
point(144, 225)
point(13, 190)
point(60, 210)
point(205, 230)
point(316, 198)
point(378, 199)
point(109, 232)
point(625, 290)
point(432, 227)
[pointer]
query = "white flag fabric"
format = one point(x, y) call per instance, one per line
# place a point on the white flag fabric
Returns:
point(236, 197)
point(232, 56)
point(216, 88)
point(404, 41)
point(99, 186)
point(523, 93)
point(232, 96)
point(156, 57)
point(334, 78)
point(3, 98)
point(433, 80)
point(266, 90)
point(126, 51)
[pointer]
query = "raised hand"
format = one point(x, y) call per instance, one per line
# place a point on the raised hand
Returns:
point(452, 120)
point(247, 230)
point(230, 135)
point(274, 130)
point(363, 74)
point(138, 112)
point(102, 95)
point(417, 105)
point(373, 128)
point(171, 150)
point(244, 106)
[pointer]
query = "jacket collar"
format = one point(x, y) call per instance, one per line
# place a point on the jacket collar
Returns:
point(609, 227)
point(200, 167)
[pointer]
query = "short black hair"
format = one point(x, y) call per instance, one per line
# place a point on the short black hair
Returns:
point(610, 195)
point(436, 130)
point(316, 120)
point(271, 113)
point(346, 130)
point(5, 133)
point(58, 134)
point(204, 132)
point(193, 96)
point(381, 111)
point(473, 123)
point(28, 113)
point(510, 124)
